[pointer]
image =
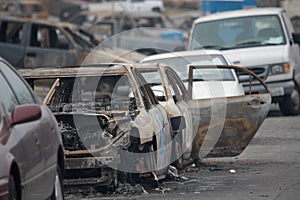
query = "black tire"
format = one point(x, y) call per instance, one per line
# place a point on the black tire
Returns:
point(134, 178)
point(112, 187)
point(13, 191)
point(58, 193)
point(291, 103)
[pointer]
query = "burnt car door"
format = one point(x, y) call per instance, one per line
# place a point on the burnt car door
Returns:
point(172, 95)
point(179, 96)
point(159, 121)
point(49, 46)
point(226, 125)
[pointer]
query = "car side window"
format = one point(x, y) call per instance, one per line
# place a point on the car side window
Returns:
point(154, 81)
point(9, 99)
point(48, 37)
point(177, 88)
point(11, 32)
point(148, 100)
point(19, 87)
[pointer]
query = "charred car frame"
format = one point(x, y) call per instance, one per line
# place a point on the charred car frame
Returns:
point(215, 127)
point(110, 120)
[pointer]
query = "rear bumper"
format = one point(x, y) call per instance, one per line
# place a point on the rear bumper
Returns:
point(91, 162)
point(97, 171)
point(95, 177)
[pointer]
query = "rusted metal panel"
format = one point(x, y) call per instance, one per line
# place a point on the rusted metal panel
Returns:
point(89, 162)
point(82, 70)
point(103, 176)
point(244, 115)
point(227, 125)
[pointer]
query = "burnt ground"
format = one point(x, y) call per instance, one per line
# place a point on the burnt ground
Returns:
point(269, 168)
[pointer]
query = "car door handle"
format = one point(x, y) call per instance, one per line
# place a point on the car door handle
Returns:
point(255, 103)
point(36, 139)
point(31, 54)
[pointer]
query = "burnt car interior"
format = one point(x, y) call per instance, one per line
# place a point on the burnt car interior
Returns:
point(93, 93)
point(93, 112)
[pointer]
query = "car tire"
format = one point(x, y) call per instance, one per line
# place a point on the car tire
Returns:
point(134, 177)
point(291, 103)
point(13, 192)
point(58, 193)
point(112, 187)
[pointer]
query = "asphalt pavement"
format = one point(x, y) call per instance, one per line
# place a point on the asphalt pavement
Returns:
point(268, 169)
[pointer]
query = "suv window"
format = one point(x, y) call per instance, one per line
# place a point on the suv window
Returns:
point(20, 89)
point(9, 99)
point(48, 37)
point(11, 32)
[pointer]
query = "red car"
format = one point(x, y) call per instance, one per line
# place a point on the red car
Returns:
point(31, 150)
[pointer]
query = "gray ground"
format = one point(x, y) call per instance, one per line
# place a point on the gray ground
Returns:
point(269, 168)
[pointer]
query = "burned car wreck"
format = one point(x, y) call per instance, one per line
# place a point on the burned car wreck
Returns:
point(110, 121)
point(215, 127)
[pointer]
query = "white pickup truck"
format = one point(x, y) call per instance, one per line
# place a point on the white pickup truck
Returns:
point(261, 39)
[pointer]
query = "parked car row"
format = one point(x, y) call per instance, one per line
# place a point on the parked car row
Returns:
point(137, 119)
point(28, 43)
point(141, 118)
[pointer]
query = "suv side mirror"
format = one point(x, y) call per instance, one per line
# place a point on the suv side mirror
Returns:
point(296, 37)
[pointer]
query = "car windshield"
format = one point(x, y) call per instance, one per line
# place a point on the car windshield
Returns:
point(152, 77)
point(181, 65)
point(236, 33)
point(92, 93)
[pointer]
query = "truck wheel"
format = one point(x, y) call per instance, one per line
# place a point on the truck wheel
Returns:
point(291, 103)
